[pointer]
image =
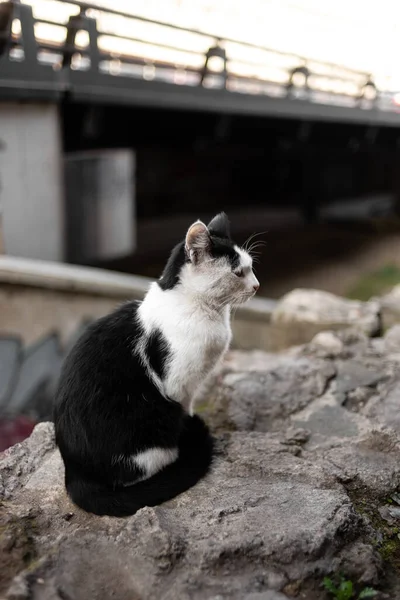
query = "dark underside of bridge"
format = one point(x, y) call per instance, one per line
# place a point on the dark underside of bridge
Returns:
point(194, 163)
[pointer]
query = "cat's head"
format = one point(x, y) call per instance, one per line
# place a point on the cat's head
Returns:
point(208, 264)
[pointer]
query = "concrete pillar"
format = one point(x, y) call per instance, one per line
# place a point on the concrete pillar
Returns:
point(31, 188)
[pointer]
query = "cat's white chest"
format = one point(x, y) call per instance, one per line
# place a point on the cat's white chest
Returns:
point(197, 340)
point(196, 351)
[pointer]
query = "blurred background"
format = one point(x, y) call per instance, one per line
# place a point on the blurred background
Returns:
point(122, 121)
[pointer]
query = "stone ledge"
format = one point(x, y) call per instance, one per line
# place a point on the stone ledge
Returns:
point(101, 282)
point(71, 278)
point(59, 296)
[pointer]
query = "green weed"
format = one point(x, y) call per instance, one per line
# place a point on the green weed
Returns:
point(344, 590)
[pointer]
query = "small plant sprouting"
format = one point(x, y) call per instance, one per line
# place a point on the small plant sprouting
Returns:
point(344, 590)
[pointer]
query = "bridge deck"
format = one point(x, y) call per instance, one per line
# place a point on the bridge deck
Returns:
point(41, 68)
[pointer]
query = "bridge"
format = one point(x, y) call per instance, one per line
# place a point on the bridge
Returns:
point(85, 57)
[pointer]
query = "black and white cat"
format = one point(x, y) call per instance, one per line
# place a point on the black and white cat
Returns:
point(123, 411)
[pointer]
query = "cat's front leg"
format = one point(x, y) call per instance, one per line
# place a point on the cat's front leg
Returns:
point(187, 402)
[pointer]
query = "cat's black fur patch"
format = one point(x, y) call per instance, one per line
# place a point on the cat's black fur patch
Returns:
point(107, 407)
point(222, 247)
point(157, 352)
point(170, 275)
point(220, 226)
point(221, 241)
point(196, 448)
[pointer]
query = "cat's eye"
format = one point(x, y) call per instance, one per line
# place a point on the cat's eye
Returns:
point(239, 273)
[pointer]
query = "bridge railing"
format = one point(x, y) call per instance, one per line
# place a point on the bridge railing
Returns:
point(51, 43)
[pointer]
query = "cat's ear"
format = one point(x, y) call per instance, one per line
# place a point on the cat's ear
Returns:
point(220, 226)
point(197, 243)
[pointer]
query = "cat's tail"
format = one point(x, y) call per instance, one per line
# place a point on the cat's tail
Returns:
point(195, 456)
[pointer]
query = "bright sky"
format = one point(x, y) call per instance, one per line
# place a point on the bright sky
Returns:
point(361, 34)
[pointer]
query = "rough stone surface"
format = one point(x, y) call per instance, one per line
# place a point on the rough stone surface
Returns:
point(390, 307)
point(327, 340)
point(392, 340)
point(306, 484)
point(301, 314)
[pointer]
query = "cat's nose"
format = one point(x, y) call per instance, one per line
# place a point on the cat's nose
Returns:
point(256, 287)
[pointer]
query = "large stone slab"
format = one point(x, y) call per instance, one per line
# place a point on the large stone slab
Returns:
point(305, 485)
point(260, 520)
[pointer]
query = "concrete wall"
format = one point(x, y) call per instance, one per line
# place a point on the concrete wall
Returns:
point(38, 297)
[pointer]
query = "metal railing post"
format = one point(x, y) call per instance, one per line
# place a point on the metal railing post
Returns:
point(6, 17)
point(75, 23)
point(29, 44)
point(94, 53)
point(219, 52)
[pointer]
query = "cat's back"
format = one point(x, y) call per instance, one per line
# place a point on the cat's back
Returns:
point(102, 355)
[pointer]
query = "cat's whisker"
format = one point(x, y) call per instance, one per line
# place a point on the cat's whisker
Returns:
point(234, 311)
point(247, 242)
point(255, 245)
point(256, 256)
point(251, 237)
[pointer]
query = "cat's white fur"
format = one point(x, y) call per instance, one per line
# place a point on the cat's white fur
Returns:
point(154, 459)
point(194, 318)
point(151, 461)
point(197, 336)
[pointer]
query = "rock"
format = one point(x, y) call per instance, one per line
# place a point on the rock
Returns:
point(373, 460)
point(325, 419)
point(361, 563)
point(353, 374)
point(301, 314)
point(392, 339)
point(394, 512)
point(297, 435)
point(262, 511)
point(390, 308)
point(305, 484)
point(384, 512)
point(269, 595)
point(262, 400)
point(385, 406)
point(357, 399)
point(328, 341)
point(24, 459)
point(355, 341)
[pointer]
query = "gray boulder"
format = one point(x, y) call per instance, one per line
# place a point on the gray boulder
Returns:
point(390, 307)
point(392, 340)
point(301, 314)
